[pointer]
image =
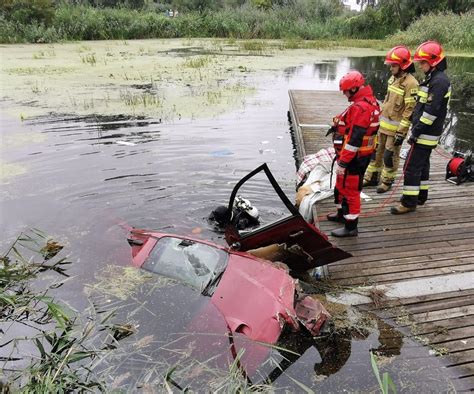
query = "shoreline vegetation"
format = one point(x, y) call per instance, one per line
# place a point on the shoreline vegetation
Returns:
point(325, 25)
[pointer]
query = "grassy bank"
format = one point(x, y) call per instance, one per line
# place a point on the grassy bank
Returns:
point(455, 31)
point(89, 23)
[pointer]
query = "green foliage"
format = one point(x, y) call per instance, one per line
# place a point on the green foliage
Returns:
point(196, 5)
point(262, 4)
point(297, 19)
point(56, 350)
point(45, 324)
point(454, 31)
point(369, 24)
point(28, 11)
point(385, 382)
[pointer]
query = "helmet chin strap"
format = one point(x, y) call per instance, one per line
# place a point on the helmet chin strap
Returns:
point(353, 91)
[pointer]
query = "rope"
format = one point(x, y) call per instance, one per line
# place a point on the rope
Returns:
point(384, 203)
point(442, 154)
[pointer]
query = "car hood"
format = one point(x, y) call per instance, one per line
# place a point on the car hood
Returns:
point(256, 298)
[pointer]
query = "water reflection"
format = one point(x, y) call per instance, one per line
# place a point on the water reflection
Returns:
point(82, 182)
point(334, 350)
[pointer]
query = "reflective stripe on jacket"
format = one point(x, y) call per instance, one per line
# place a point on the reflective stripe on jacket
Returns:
point(357, 127)
point(398, 105)
point(431, 109)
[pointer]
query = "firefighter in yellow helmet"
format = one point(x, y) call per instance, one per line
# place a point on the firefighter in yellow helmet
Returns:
point(394, 120)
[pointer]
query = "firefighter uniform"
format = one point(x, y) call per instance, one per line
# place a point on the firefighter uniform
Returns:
point(356, 130)
point(397, 109)
point(428, 120)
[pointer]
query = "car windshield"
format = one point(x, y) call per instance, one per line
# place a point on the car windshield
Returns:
point(191, 262)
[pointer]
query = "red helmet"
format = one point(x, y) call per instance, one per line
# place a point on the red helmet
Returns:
point(399, 55)
point(353, 79)
point(431, 52)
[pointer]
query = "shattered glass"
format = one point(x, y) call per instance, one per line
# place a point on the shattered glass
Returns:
point(194, 263)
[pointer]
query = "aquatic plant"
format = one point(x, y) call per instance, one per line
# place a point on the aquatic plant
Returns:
point(144, 99)
point(89, 59)
point(47, 324)
point(198, 62)
point(43, 54)
point(385, 382)
point(253, 46)
point(58, 348)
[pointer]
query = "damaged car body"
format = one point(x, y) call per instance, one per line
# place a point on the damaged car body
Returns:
point(246, 283)
point(292, 231)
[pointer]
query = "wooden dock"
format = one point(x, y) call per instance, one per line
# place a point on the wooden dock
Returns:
point(434, 243)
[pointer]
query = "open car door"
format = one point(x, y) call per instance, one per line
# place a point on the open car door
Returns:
point(291, 230)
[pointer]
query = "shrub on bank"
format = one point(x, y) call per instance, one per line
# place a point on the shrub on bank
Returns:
point(90, 23)
point(452, 30)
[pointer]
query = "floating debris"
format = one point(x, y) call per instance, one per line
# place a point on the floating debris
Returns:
point(126, 143)
point(121, 282)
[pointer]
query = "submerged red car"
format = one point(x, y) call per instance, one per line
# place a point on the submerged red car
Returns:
point(254, 296)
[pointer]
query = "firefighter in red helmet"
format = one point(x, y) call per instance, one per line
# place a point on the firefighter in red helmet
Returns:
point(397, 109)
point(355, 131)
point(427, 125)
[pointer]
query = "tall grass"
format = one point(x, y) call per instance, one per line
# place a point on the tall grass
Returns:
point(454, 31)
point(89, 23)
point(46, 348)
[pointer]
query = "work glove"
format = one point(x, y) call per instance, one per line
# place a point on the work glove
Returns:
point(398, 140)
point(412, 140)
point(340, 170)
point(331, 130)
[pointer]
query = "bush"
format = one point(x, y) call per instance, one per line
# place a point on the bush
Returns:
point(28, 11)
point(451, 30)
point(369, 24)
point(306, 19)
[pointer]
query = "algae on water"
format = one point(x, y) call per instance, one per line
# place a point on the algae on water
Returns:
point(165, 79)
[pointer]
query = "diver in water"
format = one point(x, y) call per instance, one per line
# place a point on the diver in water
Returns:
point(243, 215)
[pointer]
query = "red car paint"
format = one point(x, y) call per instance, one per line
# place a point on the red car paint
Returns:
point(255, 297)
point(292, 230)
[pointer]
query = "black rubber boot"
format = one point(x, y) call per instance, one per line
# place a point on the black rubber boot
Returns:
point(336, 217)
point(349, 230)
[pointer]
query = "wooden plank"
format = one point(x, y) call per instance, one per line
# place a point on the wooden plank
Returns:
point(444, 314)
point(455, 334)
point(469, 371)
point(459, 345)
point(427, 241)
point(461, 358)
point(355, 264)
point(437, 296)
point(434, 305)
point(407, 233)
point(446, 325)
point(390, 254)
point(415, 274)
point(409, 301)
point(436, 240)
point(356, 271)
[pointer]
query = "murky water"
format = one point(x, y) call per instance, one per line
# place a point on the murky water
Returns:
point(83, 180)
